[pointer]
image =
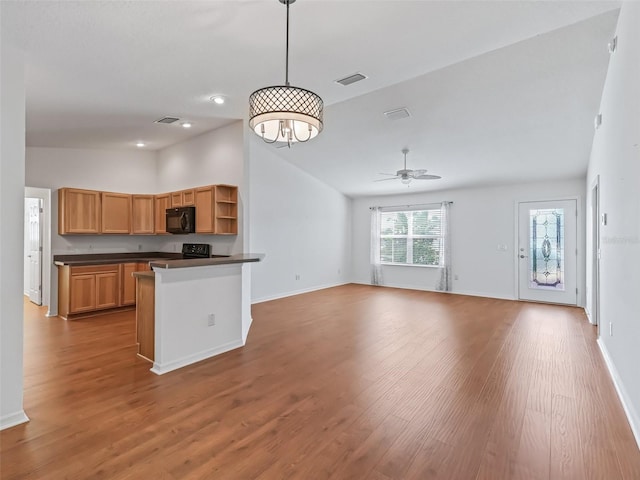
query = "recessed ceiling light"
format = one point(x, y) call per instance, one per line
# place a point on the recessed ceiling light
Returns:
point(217, 99)
point(186, 125)
point(140, 144)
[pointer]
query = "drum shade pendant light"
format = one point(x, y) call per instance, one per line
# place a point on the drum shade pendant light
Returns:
point(284, 113)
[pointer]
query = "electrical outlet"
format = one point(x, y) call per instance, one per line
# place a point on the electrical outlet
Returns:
point(139, 247)
point(611, 329)
point(455, 277)
point(339, 271)
point(297, 276)
point(211, 320)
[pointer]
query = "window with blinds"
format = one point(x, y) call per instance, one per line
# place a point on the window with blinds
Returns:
point(411, 237)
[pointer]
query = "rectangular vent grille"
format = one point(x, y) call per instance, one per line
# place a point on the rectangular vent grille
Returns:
point(167, 120)
point(397, 113)
point(356, 77)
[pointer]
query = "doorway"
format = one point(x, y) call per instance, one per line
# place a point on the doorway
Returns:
point(47, 268)
point(33, 249)
point(547, 251)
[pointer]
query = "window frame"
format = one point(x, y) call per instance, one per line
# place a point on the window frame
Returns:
point(410, 236)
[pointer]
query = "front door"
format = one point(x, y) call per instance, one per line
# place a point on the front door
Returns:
point(35, 250)
point(547, 254)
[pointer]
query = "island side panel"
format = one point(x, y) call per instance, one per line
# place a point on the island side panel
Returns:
point(184, 299)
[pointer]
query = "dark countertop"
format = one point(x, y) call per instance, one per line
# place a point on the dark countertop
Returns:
point(81, 260)
point(205, 262)
point(155, 259)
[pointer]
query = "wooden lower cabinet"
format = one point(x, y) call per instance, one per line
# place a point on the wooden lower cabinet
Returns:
point(145, 315)
point(128, 284)
point(82, 293)
point(107, 295)
point(89, 289)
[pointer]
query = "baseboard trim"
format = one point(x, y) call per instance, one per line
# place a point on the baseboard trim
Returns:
point(632, 415)
point(161, 369)
point(422, 289)
point(13, 419)
point(296, 292)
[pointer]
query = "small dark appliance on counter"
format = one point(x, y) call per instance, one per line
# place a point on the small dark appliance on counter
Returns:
point(199, 250)
point(196, 250)
point(181, 220)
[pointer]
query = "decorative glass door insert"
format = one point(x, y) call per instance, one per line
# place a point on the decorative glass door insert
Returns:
point(546, 248)
point(546, 251)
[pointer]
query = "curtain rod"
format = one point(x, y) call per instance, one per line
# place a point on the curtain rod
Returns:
point(412, 206)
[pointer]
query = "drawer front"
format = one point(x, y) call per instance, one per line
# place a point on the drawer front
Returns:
point(94, 269)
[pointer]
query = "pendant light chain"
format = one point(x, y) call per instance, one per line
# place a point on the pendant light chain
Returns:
point(286, 69)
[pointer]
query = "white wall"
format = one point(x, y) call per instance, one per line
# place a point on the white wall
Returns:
point(301, 224)
point(481, 219)
point(211, 158)
point(615, 157)
point(12, 140)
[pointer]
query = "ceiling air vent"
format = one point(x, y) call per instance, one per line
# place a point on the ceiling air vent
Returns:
point(167, 120)
point(356, 77)
point(397, 113)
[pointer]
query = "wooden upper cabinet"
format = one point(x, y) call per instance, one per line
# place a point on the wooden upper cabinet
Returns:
point(116, 213)
point(142, 214)
point(176, 199)
point(162, 202)
point(226, 210)
point(183, 198)
point(189, 197)
point(94, 212)
point(78, 211)
point(205, 206)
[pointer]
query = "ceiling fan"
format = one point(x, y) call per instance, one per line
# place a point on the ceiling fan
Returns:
point(406, 175)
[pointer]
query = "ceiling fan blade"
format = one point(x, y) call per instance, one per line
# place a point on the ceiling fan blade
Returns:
point(428, 177)
point(391, 174)
point(417, 173)
point(385, 179)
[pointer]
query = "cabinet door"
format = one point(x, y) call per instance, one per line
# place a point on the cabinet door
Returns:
point(128, 284)
point(78, 211)
point(107, 290)
point(82, 293)
point(116, 213)
point(162, 202)
point(176, 199)
point(188, 197)
point(204, 209)
point(142, 221)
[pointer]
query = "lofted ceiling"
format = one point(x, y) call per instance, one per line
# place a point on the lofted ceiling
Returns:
point(498, 91)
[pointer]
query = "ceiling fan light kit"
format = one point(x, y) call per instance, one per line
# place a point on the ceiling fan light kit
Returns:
point(406, 175)
point(283, 113)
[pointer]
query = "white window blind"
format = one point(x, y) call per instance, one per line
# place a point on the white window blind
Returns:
point(411, 237)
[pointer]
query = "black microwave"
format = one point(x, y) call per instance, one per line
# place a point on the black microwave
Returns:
point(181, 220)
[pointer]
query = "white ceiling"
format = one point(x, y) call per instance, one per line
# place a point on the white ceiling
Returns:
point(498, 91)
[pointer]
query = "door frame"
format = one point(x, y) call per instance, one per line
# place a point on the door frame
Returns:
point(47, 260)
point(594, 307)
point(580, 243)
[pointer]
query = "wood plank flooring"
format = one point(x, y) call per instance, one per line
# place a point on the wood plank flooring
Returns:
point(352, 382)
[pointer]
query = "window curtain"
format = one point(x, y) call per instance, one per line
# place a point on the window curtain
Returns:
point(376, 268)
point(444, 284)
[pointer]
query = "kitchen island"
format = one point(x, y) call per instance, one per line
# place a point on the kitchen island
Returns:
point(193, 309)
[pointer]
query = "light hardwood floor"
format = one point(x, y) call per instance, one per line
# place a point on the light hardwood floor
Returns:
point(352, 382)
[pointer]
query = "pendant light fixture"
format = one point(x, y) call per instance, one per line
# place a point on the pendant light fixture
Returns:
point(283, 113)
